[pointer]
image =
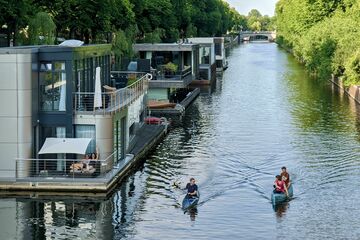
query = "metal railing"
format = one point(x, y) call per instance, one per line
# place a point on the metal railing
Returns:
point(178, 76)
point(27, 169)
point(113, 100)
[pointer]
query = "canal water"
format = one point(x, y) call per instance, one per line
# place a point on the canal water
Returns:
point(264, 113)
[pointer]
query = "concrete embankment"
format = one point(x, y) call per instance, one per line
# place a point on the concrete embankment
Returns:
point(352, 91)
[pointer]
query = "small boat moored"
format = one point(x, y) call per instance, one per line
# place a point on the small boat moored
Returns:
point(190, 202)
point(281, 197)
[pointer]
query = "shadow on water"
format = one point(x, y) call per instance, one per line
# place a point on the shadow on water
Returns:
point(193, 213)
point(280, 209)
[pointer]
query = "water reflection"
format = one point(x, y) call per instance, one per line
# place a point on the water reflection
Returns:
point(193, 212)
point(280, 209)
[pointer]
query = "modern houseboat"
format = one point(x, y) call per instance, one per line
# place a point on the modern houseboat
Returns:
point(173, 67)
point(207, 62)
point(220, 54)
point(55, 99)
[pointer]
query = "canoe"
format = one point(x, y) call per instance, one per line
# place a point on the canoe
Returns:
point(190, 202)
point(160, 104)
point(153, 120)
point(281, 197)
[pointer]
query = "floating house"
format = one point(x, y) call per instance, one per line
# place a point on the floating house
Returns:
point(207, 61)
point(220, 54)
point(173, 67)
point(58, 104)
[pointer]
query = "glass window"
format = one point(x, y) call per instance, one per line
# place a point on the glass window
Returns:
point(117, 140)
point(52, 86)
point(87, 131)
point(204, 55)
point(218, 49)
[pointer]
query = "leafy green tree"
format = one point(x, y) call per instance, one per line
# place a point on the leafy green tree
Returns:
point(352, 72)
point(254, 13)
point(14, 16)
point(325, 35)
point(255, 26)
point(42, 29)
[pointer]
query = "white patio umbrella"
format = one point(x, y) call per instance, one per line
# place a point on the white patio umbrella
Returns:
point(64, 145)
point(97, 93)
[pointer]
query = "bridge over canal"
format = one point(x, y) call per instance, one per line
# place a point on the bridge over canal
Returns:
point(256, 36)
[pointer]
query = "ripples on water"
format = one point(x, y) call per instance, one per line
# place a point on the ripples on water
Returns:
point(265, 113)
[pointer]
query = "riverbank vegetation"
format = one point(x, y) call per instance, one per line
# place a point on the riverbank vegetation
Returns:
point(323, 34)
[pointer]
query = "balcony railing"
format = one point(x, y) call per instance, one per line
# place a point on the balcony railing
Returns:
point(113, 100)
point(31, 169)
point(177, 76)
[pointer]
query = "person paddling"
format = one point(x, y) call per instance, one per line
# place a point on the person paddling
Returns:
point(285, 177)
point(280, 186)
point(192, 188)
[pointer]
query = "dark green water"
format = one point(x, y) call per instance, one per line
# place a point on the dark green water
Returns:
point(265, 113)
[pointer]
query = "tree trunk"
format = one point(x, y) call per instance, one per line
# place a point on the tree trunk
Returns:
point(8, 34)
point(86, 37)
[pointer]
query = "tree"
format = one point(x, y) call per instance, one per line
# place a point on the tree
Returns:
point(324, 35)
point(14, 16)
point(254, 13)
point(42, 29)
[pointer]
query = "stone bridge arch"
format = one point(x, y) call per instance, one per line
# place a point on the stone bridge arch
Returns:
point(255, 36)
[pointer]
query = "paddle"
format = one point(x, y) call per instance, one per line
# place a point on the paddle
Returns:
point(177, 184)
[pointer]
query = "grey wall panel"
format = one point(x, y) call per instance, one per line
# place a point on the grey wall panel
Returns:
point(24, 76)
point(84, 119)
point(24, 166)
point(104, 136)
point(104, 127)
point(24, 150)
point(8, 103)
point(24, 103)
point(24, 130)
point(8, 76)
point(105, 147)
point(8, 130)
point(7, 159)
point(7, 58)
point(23, 58)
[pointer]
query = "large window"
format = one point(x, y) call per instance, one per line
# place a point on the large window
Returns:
point(52, 86)
point(84, 72)
point(87, 131)
point(204, 55)
point(218, 49)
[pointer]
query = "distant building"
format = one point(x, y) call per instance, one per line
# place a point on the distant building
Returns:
point(207, 60)
point(220, 54)
point(173, 66)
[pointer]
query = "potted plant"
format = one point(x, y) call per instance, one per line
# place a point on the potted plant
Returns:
point(170, 69)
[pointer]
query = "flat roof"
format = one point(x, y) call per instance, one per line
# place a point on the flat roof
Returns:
point(153, 47)
point(202, 40)
point(53, 48)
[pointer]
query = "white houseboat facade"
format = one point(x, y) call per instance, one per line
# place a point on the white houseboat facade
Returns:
point(64, 92)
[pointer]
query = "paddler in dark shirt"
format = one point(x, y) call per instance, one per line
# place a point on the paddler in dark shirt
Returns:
point(192, 188)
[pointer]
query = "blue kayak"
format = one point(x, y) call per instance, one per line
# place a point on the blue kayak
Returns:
point(190, 202)
point(281, 197)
